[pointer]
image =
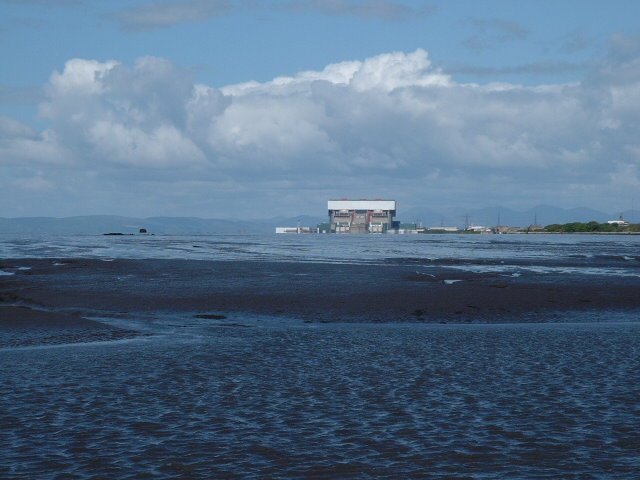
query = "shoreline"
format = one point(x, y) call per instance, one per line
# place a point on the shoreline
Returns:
point(526, 233)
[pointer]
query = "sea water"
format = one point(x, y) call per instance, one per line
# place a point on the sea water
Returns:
point(329, 401)
point(256, 397)
point(327, 247)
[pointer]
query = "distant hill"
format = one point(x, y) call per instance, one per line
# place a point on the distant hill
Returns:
point(98, 224)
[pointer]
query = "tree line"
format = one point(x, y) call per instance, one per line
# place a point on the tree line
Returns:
point(591, 227)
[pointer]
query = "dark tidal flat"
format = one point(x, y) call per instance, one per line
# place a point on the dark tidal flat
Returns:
point(498, 359)
point(397, 291)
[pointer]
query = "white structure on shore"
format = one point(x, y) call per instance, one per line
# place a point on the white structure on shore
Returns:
point(621, 222)
point(478, 229)
point(443, 229)
point(296, 230)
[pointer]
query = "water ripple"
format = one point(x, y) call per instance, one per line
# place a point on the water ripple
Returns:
point(328, 401)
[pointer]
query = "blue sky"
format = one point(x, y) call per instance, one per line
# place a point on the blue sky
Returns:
point(144, 107)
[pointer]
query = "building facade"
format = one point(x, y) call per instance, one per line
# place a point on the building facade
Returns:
point(361, 216)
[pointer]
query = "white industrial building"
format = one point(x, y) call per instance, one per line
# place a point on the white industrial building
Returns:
point(361, 216)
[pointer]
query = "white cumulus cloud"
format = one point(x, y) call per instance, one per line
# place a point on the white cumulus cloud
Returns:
point(390, 125)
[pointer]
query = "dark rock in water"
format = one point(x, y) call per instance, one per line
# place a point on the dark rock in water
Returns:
point(210, 316)
point(114, 233)
point(143, 230)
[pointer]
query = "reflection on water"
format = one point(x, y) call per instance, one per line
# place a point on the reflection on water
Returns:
point(327, 401)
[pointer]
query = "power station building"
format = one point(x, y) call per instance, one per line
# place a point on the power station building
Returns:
point(361, 216)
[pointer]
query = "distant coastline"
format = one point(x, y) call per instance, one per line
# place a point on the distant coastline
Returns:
point(505, 221)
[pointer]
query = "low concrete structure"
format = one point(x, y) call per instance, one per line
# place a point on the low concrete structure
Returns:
point(296, 230)
point(443, 229)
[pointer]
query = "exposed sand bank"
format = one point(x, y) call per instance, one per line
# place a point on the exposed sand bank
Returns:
point(315, 292)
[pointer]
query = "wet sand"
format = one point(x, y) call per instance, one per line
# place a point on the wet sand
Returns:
point(394, 292)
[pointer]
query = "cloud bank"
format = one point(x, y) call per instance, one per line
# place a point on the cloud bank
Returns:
point(146, 139)
point(492, 32)
point(156, 15)
point(167, 13)
point(377, 9)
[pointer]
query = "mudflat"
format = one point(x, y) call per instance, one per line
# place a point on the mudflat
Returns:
point(308, 291)
point(22, 326)
point(215, 392)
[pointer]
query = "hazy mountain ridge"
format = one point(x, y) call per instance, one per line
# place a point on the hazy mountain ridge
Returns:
point(99, 224)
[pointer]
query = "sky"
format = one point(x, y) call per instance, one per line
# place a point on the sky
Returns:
point(256, 108)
